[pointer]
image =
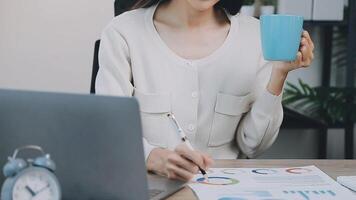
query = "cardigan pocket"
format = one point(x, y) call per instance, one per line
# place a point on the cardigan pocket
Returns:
point(228, 112)
point(154, 108)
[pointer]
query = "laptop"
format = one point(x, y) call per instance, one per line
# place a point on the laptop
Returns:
point(95, 141)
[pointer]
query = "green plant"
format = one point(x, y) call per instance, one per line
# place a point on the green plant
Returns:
point(340, 52)
point(269, 2)
point(249, 2)
point(264, 2)
point(329, 104)
point(340, 48)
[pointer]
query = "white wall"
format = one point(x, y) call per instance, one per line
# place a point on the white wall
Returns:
point(48, 44)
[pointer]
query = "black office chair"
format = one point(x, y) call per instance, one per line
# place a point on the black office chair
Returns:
point(95, 68)
point(120, 7)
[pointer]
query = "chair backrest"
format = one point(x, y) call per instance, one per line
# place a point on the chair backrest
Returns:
point(95, 67)
point(120, 7)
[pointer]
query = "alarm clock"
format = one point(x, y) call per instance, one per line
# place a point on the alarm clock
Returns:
point(33, 179)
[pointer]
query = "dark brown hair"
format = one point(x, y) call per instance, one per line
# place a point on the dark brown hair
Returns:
point(231, 6)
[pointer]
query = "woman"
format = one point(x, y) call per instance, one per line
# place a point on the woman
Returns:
point(200, 61)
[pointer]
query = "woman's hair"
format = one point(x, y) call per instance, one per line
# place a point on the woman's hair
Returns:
point(231, 6)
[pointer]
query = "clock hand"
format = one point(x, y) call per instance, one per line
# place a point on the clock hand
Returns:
point(41, 190)
point(33, 193)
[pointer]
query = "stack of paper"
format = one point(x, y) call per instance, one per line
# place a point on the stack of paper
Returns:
point(298, 183)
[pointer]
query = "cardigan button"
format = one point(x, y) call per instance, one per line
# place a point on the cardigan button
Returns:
point(194, 94)
point(191, 127)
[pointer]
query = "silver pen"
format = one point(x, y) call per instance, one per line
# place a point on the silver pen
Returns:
point(185, 140)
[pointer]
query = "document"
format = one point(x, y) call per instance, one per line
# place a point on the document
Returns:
point(297, 183)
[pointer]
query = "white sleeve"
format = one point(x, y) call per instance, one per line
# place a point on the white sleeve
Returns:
point(115, 74)
point(260, 126)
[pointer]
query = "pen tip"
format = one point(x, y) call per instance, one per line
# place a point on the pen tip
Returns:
point(206, 178)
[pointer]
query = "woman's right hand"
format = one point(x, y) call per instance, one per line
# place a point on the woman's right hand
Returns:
point(182, 163)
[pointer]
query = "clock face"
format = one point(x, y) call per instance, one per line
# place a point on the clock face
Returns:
point(36, 184)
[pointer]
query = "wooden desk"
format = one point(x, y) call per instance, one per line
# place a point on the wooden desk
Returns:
point(333, 168)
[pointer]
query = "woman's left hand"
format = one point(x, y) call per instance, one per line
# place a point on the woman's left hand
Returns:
point(305, 55)
point(280, 70)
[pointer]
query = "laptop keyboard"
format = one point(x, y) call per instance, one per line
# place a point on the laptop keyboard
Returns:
point(154, 192)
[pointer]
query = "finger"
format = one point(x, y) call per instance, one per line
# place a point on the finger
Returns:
point(174, 176)
point(196, 158)
point(305, 53)
point(174, 169)
point(306, 35)
point(193, 156)
point(298, 61)
point(306, 63)
point(208, 161)
point(304, 42)
point(184, 163)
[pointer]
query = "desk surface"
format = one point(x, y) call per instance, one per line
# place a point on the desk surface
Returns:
point(333, 168)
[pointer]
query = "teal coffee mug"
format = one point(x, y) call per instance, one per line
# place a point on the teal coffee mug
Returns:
point(280, 36)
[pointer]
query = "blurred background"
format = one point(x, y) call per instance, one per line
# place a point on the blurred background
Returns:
point(48, 45)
